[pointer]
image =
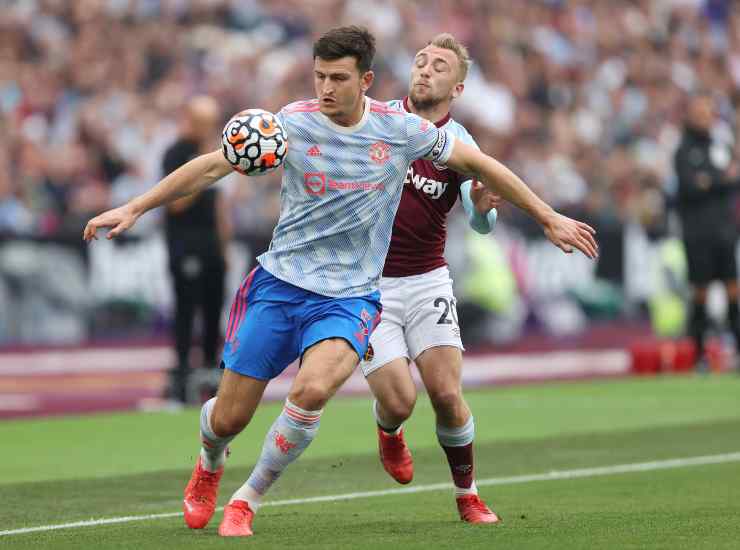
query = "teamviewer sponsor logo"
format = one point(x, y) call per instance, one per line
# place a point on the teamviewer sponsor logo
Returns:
point(315, 183)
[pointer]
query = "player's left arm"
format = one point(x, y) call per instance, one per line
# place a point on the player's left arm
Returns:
point(563, 232)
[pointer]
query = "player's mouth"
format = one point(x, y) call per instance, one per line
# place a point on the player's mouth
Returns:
point(328, 100)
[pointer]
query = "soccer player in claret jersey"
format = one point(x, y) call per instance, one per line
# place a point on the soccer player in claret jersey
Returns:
point(314, 294)
point(419, 321)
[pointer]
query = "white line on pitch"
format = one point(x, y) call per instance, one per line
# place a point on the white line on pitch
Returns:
point(547, 476)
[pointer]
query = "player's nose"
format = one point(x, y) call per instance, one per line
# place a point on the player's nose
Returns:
point(327, 89)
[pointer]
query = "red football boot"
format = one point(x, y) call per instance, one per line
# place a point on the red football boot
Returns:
point(395, 456)
point(201, 493)
point(237, 520)
point(473, 510)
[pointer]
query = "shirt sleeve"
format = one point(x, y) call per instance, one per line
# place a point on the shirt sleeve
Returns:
point(481, 224)
point(467, 139)
point(425, 140)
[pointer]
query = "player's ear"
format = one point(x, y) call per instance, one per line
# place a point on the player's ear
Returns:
point(366, 80)
point(458, 90)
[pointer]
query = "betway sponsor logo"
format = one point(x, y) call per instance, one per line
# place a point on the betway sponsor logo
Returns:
point(317, 183)
point(433, 188)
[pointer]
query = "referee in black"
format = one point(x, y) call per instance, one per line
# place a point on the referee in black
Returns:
point(197, 232)
point(707, 181)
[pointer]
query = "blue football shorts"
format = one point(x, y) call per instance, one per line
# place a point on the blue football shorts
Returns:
point(273, 322)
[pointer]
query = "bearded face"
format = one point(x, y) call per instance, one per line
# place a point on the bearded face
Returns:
point(434, 77)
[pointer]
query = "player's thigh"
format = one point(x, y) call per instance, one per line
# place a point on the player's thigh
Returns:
point(325, 366)
point(393, 387)
point(387, 343)
point(431, 320)
point(238, 398)
point(334, 336)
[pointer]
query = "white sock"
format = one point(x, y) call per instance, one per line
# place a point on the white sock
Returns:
point(461, 491)
point(286, 440)
point(213, 450)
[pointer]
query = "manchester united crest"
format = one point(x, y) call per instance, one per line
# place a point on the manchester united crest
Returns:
point(380, 152)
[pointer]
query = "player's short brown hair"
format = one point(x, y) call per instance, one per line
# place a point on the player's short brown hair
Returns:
point(448, 42)
point(351, 41)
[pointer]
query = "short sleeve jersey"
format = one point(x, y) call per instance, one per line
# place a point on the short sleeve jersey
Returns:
point(429, 193)
point(340, 190)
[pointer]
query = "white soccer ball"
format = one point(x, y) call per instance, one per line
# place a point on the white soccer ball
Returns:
point(254, 142)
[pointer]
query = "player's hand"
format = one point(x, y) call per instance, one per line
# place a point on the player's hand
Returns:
point(567, 234)
point(120, 219)
point(483, 198)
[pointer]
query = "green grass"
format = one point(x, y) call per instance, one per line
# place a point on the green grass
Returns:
point(69, 469)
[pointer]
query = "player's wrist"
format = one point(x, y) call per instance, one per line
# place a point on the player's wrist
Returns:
point(546, 216)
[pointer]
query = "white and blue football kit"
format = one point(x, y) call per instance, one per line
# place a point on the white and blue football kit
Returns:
point(319, 279)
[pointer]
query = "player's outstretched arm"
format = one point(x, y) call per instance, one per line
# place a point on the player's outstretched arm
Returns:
point(563, 232)
point(480, 205)
point(192, 177)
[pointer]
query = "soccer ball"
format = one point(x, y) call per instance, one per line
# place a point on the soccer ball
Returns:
point(254, 142)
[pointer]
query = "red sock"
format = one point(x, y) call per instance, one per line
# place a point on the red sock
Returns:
point(460, 460)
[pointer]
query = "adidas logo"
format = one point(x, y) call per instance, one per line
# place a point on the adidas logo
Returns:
point(314, 151)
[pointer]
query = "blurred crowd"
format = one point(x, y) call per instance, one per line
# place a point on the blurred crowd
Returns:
point(583, 98)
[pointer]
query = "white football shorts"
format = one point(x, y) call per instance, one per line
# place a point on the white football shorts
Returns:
point(418, 313)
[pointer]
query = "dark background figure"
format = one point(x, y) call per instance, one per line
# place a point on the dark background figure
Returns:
point(707, 181)
point(197, 231)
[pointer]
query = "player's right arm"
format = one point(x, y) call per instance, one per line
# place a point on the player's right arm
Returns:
point(192, 177)
point(437, 145)
point(563, 232)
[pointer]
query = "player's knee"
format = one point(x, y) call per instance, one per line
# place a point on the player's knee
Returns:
point(445, 399)
point(400, 406)
point(311, 395)
point(226, 424)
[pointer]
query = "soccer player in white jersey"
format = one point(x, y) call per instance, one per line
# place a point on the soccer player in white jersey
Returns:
point(419, 320)
point(314, 294)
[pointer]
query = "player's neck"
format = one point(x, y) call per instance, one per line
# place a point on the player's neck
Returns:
point(352, 118)
point(433, 114)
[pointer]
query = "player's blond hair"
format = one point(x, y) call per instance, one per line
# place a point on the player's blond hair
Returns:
point(448, 42)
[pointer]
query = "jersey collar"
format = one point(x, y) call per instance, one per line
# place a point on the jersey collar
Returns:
point(349, 129)
point(441, 122)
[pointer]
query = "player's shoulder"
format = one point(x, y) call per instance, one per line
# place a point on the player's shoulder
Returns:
point(302, 106)
point(458, 130)
point(385, 108)
point(396, 104)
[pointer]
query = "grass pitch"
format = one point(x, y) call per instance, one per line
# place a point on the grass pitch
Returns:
point(59, 471)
